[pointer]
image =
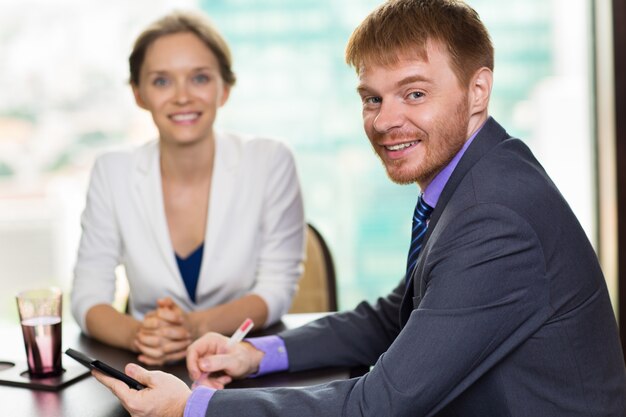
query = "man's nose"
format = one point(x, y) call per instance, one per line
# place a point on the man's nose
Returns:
point(389, 116)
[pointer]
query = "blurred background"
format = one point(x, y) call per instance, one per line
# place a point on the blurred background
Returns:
point(65, 99)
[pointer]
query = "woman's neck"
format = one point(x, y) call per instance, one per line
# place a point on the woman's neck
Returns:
point(187, 163)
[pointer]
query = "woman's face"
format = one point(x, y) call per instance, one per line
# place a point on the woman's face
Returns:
point(181, 86)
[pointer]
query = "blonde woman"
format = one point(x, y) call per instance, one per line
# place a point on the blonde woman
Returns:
point(209, 226)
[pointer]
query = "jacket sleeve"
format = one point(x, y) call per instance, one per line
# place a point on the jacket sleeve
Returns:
point(485, 294)
point(282, 237)
point(351, 338)
point(99, 250)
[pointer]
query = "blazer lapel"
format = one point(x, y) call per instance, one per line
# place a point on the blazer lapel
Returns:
point(223, 190)
point(489, 136)
point(147, 183)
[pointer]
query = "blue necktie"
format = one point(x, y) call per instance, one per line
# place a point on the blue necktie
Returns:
point(420, 216)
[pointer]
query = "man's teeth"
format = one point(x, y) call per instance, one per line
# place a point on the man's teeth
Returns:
point(184, 117)
point(400, 146)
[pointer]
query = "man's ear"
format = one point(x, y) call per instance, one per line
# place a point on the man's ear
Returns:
point(137, 95)
point(480, 90)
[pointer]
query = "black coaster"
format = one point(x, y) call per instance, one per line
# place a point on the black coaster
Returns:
point(16, 375)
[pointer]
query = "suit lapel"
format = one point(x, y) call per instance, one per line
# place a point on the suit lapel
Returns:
point(489, 136)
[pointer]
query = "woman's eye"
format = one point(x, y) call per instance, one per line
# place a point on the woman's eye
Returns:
point(201, 79)
point(160, 82)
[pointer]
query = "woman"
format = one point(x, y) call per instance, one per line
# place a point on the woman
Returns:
point(209, 226)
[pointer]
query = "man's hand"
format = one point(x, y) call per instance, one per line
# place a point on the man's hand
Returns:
point(211, 362)
point(165, 395)
point(164, 334)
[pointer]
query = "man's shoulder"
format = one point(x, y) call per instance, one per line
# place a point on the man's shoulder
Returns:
point(508, 171)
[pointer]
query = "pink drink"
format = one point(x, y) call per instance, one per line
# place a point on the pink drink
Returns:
point(42, 340)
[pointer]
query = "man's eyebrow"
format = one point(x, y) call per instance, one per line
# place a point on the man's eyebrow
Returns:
point(363, 90)
point(412, 79)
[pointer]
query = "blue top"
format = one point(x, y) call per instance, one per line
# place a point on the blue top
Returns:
point(190, 270)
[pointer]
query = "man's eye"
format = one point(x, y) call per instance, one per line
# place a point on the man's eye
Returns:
point(372, 100)
point(415, 95)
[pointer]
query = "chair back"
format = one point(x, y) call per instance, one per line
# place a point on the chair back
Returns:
point(317, 287)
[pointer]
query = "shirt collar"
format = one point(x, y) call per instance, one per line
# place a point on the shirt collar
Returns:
point(434, 189)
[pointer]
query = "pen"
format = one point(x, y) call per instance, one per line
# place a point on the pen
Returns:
point(241, 332)
point(236, 337)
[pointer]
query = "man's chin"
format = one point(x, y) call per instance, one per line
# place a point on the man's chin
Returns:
point(401, 171)
point(402, 178)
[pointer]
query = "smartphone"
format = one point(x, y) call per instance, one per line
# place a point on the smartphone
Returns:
point(104, 368)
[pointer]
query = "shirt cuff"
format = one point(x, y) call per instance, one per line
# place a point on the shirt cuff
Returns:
point(198, 402)
point(275, 358)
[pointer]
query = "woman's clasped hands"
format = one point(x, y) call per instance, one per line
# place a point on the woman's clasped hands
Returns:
point(164, 334)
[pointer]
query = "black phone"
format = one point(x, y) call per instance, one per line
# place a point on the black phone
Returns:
point(104, 368)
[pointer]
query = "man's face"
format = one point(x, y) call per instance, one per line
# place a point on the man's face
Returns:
point(415, 114)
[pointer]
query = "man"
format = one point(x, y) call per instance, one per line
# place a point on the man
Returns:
point(504, 311)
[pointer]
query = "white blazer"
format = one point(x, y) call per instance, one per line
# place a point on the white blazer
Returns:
point(254, 242)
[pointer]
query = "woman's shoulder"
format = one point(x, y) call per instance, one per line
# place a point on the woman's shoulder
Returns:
point(254, 145)
point(128, 156)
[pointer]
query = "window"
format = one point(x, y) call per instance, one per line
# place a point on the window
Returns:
point(65, 100)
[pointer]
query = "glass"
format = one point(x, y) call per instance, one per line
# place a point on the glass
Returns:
point(40, 317)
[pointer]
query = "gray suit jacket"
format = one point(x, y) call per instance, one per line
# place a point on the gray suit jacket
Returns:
point(507, 314)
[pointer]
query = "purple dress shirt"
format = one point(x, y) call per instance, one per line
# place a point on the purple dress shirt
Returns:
point(275, 358)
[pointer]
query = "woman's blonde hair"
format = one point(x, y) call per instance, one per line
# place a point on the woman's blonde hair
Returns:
point(182, 22)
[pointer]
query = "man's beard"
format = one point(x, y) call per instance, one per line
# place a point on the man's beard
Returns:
point(445, 141)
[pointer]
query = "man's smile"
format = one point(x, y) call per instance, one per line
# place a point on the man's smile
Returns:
point(400, 146)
